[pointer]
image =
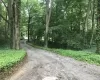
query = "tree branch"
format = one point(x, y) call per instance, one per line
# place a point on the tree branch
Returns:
point(4, 4)
point(4, 18)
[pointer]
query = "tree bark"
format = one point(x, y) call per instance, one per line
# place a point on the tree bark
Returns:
point(98, 28)
point(93, 24)
point(29, 20)
point(17, 23)
point(14, 23)
point(11, 21)
point(48, 15)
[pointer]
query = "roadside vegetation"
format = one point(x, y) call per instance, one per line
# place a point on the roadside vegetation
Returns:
point(8, 58)
point(80, 55)
point(89, 57)
point(61, 24)
point(85, 56)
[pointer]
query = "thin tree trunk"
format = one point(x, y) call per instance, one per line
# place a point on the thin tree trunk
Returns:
point(85, 29)
point(0, 12)
point(6, 32)
point(29, 20)
point(48, 15)
point(98, 28)
point(93, 24)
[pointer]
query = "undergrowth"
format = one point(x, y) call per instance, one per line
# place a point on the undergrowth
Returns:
point(9, 58)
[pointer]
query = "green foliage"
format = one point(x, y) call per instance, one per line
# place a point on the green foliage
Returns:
point(80, 55)
point(85, 56)
point(98, 35)
point(9, 58)
point(71, 23)
point(68, 26)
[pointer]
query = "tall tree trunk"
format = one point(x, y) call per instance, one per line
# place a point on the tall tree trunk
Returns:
point(11, 21)
point(14, 22)
point(48, 15)
point(29, 20)
point(6, 32)
point(98, 28)
point(0, 12)
point(85, 29)
point(93, 24)
point(17, 24)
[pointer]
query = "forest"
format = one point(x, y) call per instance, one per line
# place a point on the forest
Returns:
point(62, 26)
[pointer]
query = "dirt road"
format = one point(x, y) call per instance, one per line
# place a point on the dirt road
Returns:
point(42, 64)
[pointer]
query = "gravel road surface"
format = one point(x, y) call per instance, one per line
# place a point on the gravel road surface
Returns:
point(45, 65)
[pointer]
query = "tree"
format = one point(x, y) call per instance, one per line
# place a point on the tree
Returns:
point(14, 22)
point(93, 21)
point(98, 28)
point(48, 15)
point(72, 23)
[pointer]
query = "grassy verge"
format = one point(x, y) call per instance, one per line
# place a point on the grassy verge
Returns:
point(8, 58)
point(91, 58)
point(79, 55)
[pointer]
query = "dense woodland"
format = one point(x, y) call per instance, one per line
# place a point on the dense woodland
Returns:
point(67, 24)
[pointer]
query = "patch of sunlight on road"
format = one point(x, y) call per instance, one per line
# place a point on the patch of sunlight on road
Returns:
point(50, 78)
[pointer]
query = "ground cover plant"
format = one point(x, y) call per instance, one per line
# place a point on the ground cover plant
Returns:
point(89, 57)
point(9, 58)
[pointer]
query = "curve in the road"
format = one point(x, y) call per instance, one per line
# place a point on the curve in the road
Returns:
point(42, 64)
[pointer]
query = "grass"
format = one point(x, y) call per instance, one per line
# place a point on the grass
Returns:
point(91, 58)
point(9, 58)
point(85, 56)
